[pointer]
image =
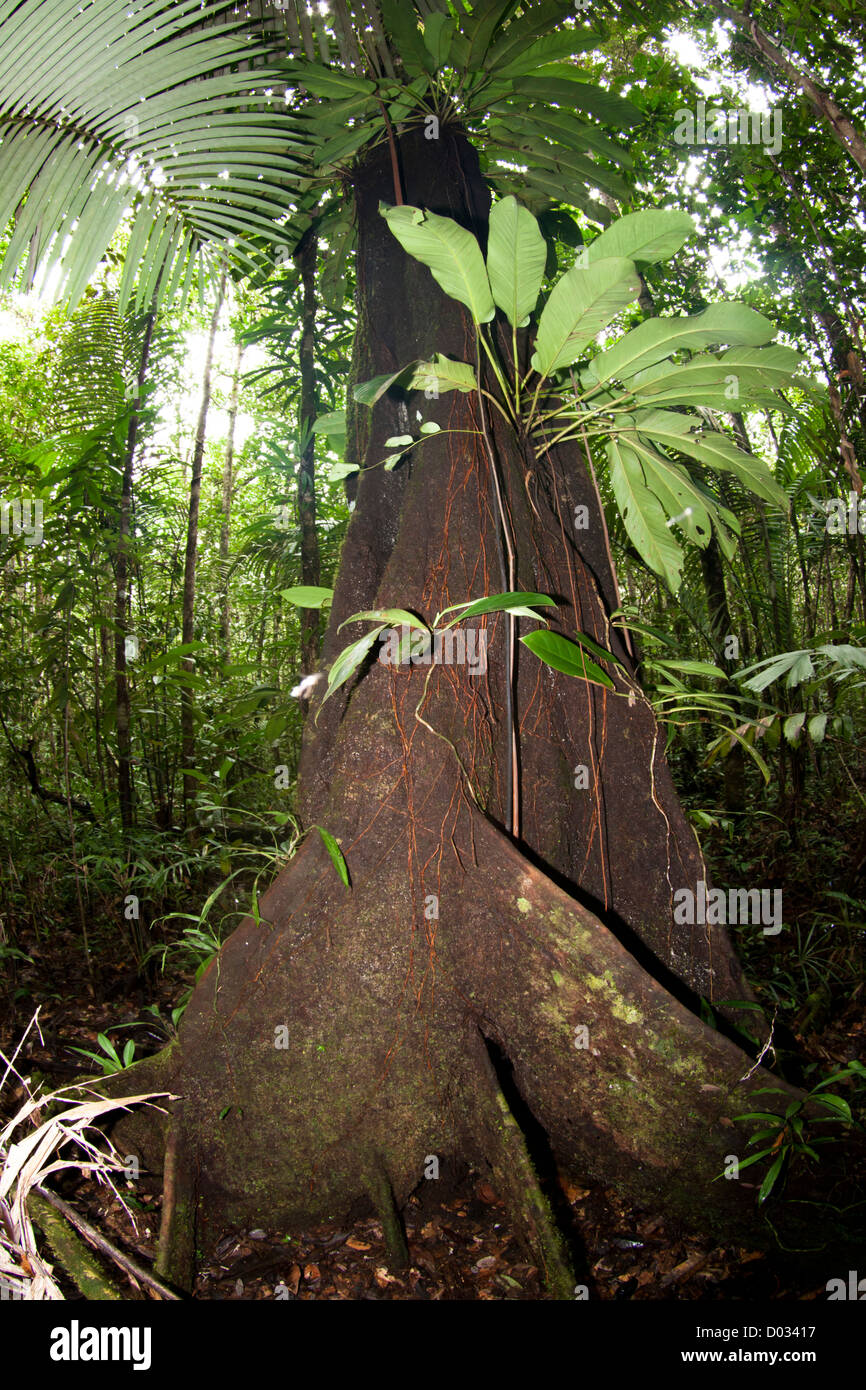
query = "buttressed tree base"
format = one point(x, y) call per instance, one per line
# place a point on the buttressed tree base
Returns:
point(468, 976)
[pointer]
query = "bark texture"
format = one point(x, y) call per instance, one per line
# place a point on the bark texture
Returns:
point(351, 1033)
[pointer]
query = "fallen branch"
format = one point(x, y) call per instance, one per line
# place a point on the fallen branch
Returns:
point(72, 1253)
point(105, 1247)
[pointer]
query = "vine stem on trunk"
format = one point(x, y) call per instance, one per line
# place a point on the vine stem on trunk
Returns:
point(512, 810)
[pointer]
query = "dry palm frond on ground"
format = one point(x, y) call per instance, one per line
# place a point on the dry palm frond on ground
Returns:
point(68, 1138)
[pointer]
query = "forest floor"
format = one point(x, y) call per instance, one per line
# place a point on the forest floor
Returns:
point(460, 1244)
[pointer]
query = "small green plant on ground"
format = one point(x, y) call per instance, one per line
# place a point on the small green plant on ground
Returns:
point(109, 1059)
point(791, 1136)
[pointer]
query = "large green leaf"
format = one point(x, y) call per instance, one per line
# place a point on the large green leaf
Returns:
point(656, 339)
point(516, 255)
point(559, 87)
point(652, 235)
point(738, 372)
point(450, 252)
point(339, 149)
point(332, 425)
point(561, 127)
point(482, 24)
point(687, 434)
point(438, 37)
point(328, 82)
point(442, 374)
point(719, 451)
point(578, 171)
point(519, 55)
point(581, 304)
point(643, 515)
point(684, 504)
point(564, 655)
point(401, 21)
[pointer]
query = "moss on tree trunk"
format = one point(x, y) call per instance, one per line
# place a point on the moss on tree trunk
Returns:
point(357, 1022)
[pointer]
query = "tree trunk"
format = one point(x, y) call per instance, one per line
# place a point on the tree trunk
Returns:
point(721, 627)
point(305, 258)
point(187, 707)
point(353, 1032)
point(121, 599)
point(227, 494)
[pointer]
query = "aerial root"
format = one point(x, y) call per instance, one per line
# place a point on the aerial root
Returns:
point(516, 1180)
point(175, 1261)
point(72, 1253)
point(378, 1185)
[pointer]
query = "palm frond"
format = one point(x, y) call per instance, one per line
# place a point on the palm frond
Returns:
point(204, 122)
point(109, 110)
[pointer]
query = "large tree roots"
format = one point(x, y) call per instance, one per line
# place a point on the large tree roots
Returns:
point(516, 1178)
point(177, 1233)
point(337, 1046)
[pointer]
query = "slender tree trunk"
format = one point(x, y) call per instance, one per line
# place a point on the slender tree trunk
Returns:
point(98, 625)
point(121, 601)
point(721, 626)
point(227, 494)
point(305, 258)
point(188, 630)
